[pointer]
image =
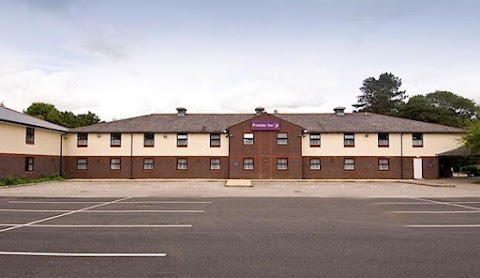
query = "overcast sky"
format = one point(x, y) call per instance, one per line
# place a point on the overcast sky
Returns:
point(124, 58)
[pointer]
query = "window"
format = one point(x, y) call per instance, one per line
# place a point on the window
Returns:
point(30, 136)
point(149, 139)
point(349, 164)
point(248, 164)
point(383, 140)
point(148, 164)
point(115, 164)
point(383, 164)
point(214, 163)
point(417, 139)
point(282, 164)
point(315, 164)
point(82, 164)
point(182, 164)
point(314, 139)
point(349, 140)
point(214, 140)
point(182, 140)
point(115, 140)
point(282, 138)
point(82, 140)
point(248, 139)
point(29, 164)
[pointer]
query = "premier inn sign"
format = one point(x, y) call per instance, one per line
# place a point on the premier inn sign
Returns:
point(265, 125)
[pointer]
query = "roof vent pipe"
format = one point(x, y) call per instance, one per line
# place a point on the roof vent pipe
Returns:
point(181, 111)
point(259, 110)
point(340, 111)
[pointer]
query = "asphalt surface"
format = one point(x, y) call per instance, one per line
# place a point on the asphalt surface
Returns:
point(239, 237)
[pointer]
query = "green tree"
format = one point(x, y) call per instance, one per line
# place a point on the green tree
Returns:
point(472, 138)
point(440, 107)
point(381, 96)
point(50, 113)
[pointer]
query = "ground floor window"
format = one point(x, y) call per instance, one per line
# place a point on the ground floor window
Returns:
point(215, 164)
point(182, 164)
point(82, 164)
point(115, 164)
point(349, 164)
point(315, 164)
point(148, 164)
point(248, 164)
point(29, 164)
point(383, 164)
point(282, 164)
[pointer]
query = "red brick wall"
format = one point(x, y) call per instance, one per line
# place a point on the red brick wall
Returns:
point(265, 151)
point(165, 167)
point(13, 165)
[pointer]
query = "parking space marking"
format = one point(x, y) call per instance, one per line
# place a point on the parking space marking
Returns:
point(446, 203)
point(404, 203)
point(165, 202)
point(83, 254)
point(433, 211)
point(63, 214)
point(53, 202)
point(445, 226)
point(132, 202)
point(35, 210)
point(146, 211)
point(111, 226)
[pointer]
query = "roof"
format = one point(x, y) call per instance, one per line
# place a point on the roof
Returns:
point(12, 116)
point(458, 152)
point(323, 123)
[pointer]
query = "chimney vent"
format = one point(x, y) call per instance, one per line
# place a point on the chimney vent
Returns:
point(340, 111)
point(259, 110)
point(181, 111)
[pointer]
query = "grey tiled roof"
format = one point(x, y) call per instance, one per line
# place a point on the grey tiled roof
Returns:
point(12, 116)
point(458, 152)
point(324, 123)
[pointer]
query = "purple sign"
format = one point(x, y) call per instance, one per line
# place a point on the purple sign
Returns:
point(265, 125)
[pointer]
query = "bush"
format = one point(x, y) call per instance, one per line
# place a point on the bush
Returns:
point(471, 170)
point(14, 181)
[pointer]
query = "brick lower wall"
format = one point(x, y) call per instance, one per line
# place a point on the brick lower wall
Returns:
point(13, 165)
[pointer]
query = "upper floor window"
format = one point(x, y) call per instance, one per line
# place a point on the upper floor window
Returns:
point(82, 140)
point(148, 139)
point(248, 139)
point(115, 140)
point(215, 140)
point(417, 139)
point(349, 140)
point(282, 164)
point(282, 138)
point(383, 140)
point(182, 140)
point(314, 139)
point(30, 136)
point(29, 164)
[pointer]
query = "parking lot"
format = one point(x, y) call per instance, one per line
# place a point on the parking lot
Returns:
point(239, 237)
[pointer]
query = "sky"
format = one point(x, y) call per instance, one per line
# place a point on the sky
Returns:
point(120, 58)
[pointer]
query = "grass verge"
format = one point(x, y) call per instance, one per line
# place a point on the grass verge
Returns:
point(14, 181)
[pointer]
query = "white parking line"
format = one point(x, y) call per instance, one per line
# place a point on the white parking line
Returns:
point(108, 211)
point(166, 202)
point(444, 226)
point(133, 202)
point(433, 211)
point(445, 203)
point(50, 202)
point(422, 203)
point(61, 215)
point(111, 226)
point(83, 254)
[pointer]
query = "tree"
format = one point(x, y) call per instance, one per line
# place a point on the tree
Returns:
point(382, 96)
point(50, 113)
point(440, 107)
point(472, 138)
